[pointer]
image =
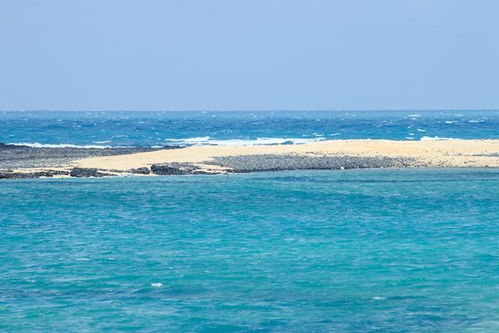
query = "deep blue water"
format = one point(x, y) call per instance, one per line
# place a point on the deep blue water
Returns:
point(344, 251)
point(173, 128)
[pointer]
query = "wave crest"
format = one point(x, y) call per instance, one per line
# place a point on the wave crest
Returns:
point(201, 141)
point(436, 138)
point(58, 145)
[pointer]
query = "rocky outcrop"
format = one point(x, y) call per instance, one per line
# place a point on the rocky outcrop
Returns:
point(271, 162)
point(87, 172)
point(176, 169)
point(139, 171)
point(9, 174)
point(17, 156)
point(168, 169)
point(75, 172)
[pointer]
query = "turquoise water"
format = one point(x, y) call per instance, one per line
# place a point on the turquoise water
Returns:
point(314, 251)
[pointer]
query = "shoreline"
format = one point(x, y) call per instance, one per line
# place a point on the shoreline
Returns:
point(28, 162)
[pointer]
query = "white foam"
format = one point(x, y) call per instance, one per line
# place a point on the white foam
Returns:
point(379, 298)
point(198, 141)
point(436, 138)
point(58, 145)
point(190, 141)
point(156, 285)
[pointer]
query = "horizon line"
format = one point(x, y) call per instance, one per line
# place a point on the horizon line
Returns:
point(250, 110)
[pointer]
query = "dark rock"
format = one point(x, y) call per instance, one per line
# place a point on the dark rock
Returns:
point(141, 171)
point(87, 172)
point(7, 146)
point(166, 169)
point(9, 174)
point(172, 147)
point(14, 175)
point(174, 169)
point(270, 162)
point(17, 156)
point(50, 173)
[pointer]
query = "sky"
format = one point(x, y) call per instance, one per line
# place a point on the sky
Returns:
point(248, 54)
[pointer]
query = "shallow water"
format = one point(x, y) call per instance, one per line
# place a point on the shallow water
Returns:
point(369, 250)
point(94, 129)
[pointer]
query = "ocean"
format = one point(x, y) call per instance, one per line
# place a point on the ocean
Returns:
point(393, 250)
point(146, 129)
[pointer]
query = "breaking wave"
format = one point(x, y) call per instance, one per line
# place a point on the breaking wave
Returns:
point(437, 138)
point(208, 141)
point(58, 145)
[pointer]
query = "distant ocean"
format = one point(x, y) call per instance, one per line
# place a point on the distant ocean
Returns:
point(411, 250)
point(145, 129)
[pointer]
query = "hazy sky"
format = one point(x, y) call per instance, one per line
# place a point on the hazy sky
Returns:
point(248, 54)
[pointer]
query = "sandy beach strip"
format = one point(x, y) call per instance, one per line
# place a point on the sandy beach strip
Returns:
point(438, 153)
point(332, 154)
